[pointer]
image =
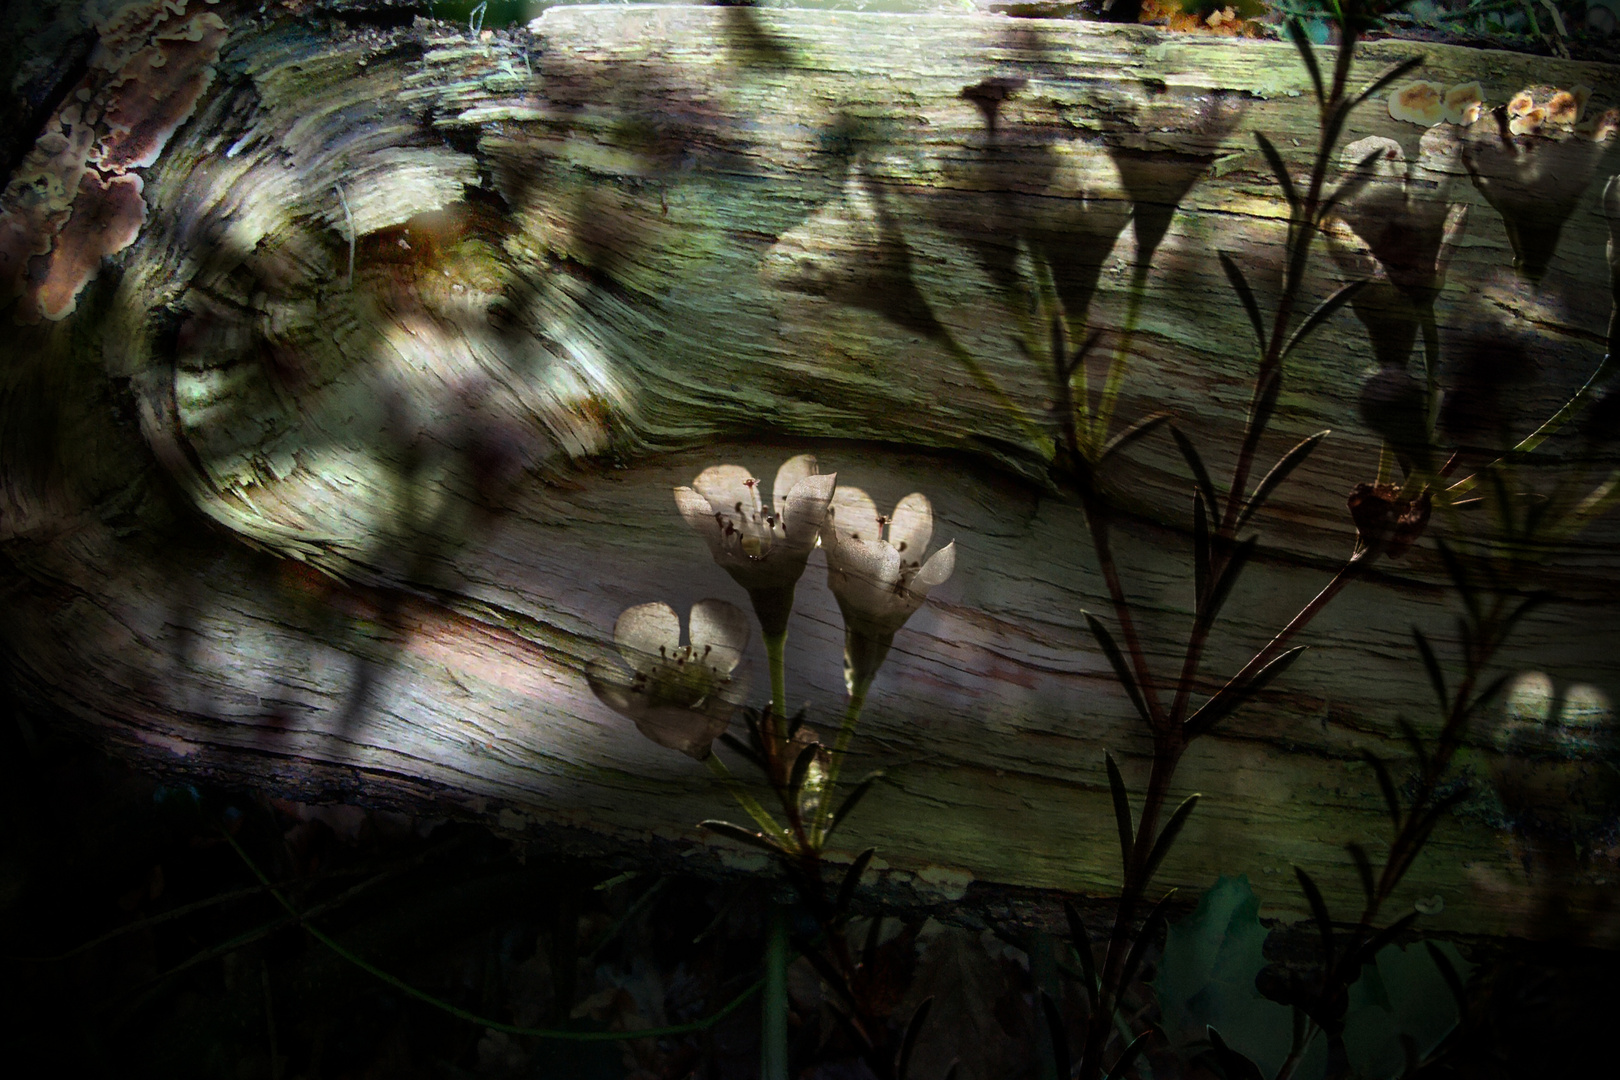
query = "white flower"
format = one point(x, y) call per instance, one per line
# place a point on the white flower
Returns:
point(877, 572)
point(764, 551)
point(680, 696)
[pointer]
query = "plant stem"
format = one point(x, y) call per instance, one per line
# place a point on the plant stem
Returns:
point(773, 1034)
point(846, 734)
point(776, 657)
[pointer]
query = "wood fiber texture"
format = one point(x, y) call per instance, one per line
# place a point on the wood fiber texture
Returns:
point(339, 474)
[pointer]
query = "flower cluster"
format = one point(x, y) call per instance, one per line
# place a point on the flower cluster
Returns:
point(682, 696)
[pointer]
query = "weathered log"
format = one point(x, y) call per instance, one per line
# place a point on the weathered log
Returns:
point(329, 466)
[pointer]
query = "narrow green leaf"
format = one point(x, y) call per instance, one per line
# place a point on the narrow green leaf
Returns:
point(1142, 427)
point(1241, 554)
point(801, 769)
point(1167, 838)
point(1128, 1058)
point(1302, 41)
point(1234, 695)
point(1082, 948)
point(741, 835)
point(908, 1043)
point(1240, 285)
point(1122, 809)
point(1279, 472)
point(1364, 870)
point(1059, 1037)
point(1322, 313)
point(852, 880)
point(1150, 932)
point(852, 800)
point(1410, 64)
point(1448, 972)
point(1392, 801)
point(1195, 462)
point(1279, 169)
point(1122, 671)
point(1431, 664)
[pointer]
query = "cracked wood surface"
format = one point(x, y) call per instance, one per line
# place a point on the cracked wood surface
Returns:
point(340, 473)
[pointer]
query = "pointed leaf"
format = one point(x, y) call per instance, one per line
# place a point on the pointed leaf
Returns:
point(908, 1043)
point(1122, 671)
point(1128, 1058)
point(1167, 838)
point(1082, 948)
point(1322, 313)
point(801, 769)
point(1189, 453)
point(1142, 427)
point(1431, 664)
point(1229, 575)
point(1060, 1038)
point(1410, 64)
point(1279, 472)
point(1391, 800)
point(852, 800)
point(1234, 695)
point(1150, 930)
point(852, 880)
point(741, 835)
point(1364, 870)
point(1351, 186)
point(1324, 925)
point(1122, 810)
point(1302, 41)
point(1240, 285)
point(1279, 169)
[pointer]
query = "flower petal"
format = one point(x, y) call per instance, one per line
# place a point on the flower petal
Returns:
point(793, 470)
point(722, 629)
point(728, 487)
point(611, 684)
point(936, 570)
point(699, 514)
point(912, 526)
point(644, 629)
point(862, 575)
point(854, 515)
point(804, 511)
point(687, 730)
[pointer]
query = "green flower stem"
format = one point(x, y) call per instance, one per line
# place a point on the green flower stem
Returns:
point(749, 804)
point(776, 657)
point(773, 1034)
point(473, 1018)
point(846, 733)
